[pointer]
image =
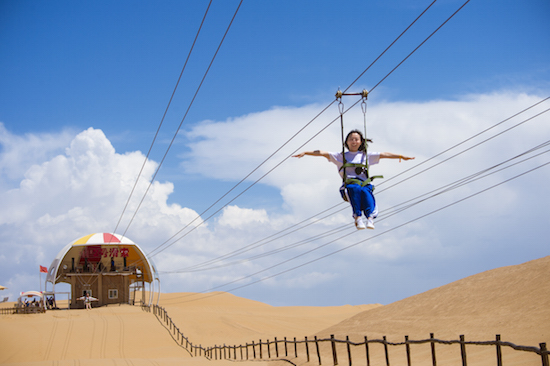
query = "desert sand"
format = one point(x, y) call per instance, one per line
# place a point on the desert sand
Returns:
point(511, 301)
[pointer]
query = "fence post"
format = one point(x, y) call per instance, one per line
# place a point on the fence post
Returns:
point(499, 351)
point(367, 351)
point(349, 350)
point(247, 351)
point(434, 361)
point(286, 348)
point(307, 349)
point(334, 356)
point(241, 349)
point(295, 348)
point(408, 348)
point(253, 349)
point(317, 347)
point(260, 345)
point(544, 354)
point(268, 349)
point(276, 348)
point(463, 350)
point(386, 351)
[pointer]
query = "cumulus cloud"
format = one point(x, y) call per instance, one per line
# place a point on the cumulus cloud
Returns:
point(71, 185)
point(236, 217)
point(20, 151)
point(80, 191)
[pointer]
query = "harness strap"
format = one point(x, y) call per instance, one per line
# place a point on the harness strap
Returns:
point(360, 182)
point(353, 165)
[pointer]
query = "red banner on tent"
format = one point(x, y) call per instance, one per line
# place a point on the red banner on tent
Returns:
point(43, 269)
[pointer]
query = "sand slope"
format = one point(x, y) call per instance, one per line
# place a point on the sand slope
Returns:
point(222, 318)
point(512, 301)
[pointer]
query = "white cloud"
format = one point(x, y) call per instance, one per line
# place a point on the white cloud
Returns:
point(77, 193)
point(19, 152)
point(236, 217)
point(80, 185)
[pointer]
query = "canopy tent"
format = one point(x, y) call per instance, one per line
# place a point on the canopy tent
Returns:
point(103, 252)
point(31, 294)
point(28, 307)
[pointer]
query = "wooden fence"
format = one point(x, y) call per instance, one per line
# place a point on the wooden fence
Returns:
point(5, 311)
point(311, 348)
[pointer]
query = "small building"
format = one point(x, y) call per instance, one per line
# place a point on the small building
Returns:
point(109, 267)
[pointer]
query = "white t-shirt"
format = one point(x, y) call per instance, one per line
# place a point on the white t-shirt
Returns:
point(354, 158)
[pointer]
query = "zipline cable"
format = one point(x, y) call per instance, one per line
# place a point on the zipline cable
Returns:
point(464, 141)
point(463, 151)
point(185, 115)
point(461, 182)
point(278, 235)
point(420, 45)
point(163, 117)
point(390, 46)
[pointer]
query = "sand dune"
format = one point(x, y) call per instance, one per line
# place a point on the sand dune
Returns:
point(511, 301)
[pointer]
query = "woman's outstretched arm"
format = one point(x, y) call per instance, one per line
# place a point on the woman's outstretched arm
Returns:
point(324, 154)
point(388, 155)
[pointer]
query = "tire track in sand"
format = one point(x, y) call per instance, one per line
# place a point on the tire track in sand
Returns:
point(60, 337)
point(122, 336)
point(49, 344)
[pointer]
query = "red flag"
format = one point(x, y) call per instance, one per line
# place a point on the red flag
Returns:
point(43, 269)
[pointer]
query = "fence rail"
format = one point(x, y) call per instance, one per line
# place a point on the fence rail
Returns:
point(282, 349)
point(6, 311)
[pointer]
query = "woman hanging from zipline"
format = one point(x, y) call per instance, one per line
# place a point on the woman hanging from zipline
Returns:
point(357, 187)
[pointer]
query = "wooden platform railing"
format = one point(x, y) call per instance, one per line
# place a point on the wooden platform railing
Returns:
point(283, 349)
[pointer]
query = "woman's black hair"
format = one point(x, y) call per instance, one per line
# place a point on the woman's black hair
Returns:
point(362, 147)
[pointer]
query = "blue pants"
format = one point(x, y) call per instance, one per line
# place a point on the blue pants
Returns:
point(362, 200)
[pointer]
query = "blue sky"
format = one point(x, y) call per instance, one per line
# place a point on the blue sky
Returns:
point(85, 85)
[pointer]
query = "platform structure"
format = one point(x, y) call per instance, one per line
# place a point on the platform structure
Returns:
point(108, 267)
